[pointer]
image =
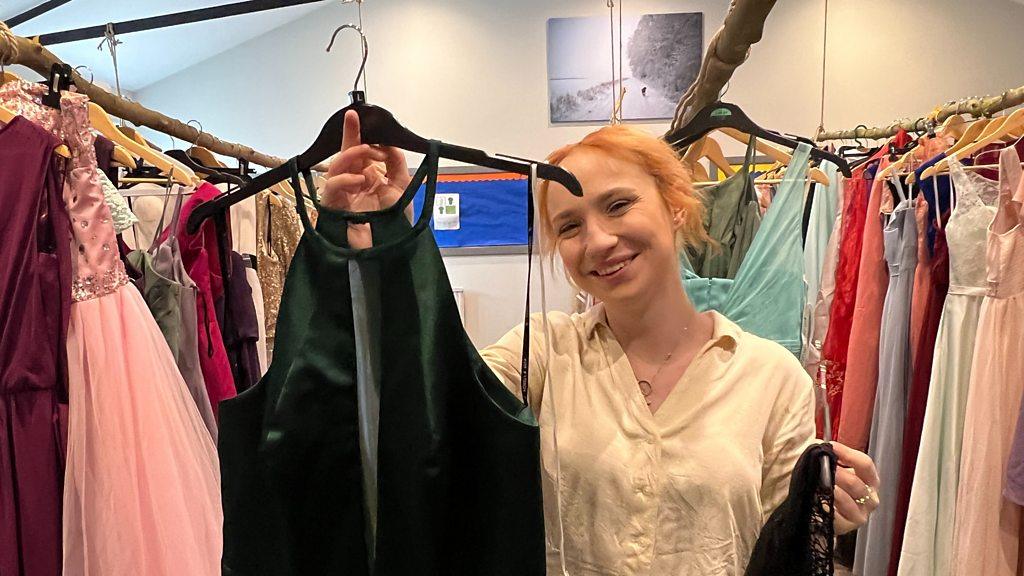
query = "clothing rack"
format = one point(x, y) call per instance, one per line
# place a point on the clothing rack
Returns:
point(31, 54)
point(976, 106)
point(729, 47)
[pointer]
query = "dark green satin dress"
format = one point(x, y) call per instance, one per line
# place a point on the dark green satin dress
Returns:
point(458, 485)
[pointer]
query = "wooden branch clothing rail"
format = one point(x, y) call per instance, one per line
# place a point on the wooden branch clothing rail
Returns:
point(976, 107)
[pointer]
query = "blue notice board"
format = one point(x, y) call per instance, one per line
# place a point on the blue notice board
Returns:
point(492, 210)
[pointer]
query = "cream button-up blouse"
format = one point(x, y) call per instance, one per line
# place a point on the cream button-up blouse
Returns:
point(684, 491)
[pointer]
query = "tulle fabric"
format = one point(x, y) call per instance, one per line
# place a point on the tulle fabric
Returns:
point(142, 491)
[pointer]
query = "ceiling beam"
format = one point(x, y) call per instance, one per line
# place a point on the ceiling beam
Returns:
point(38, 10)
point(168, 20)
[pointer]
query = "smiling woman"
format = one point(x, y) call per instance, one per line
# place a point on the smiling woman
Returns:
point(678, 432)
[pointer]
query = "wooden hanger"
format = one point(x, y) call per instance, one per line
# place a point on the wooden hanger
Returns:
point(9, 77)
point(204, 156)
point(971, 133)
point(104, 125)
point(1007, 126)
point(815, 174)
point(709, 148)
point(954, 126)
point(7, 115)
point(124, 158)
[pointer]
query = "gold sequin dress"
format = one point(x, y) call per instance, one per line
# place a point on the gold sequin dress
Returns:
point(278, 231)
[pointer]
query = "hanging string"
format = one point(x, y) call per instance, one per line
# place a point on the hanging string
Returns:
point(824, 53)
point(618, 95)
point(611, 38)
point(622, 79)
point(110, 41)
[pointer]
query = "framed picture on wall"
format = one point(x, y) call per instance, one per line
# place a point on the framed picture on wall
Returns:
point(661, 56)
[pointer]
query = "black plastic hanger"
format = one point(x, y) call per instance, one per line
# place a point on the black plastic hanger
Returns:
point(213, 175)
point(377, 126)
point(58, 80)
point(724, 115)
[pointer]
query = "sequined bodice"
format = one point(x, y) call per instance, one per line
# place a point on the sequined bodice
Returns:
point(976, 198)
point(98, 269)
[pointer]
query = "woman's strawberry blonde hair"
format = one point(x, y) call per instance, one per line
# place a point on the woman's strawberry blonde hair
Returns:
point(658, 159)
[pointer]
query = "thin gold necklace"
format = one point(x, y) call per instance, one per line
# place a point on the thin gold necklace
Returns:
point(646, 388)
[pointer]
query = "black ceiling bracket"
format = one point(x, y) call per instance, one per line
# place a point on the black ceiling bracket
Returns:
point(168, 20)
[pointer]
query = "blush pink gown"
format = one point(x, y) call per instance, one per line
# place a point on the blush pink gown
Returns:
point(142, 484)
point(987, 526)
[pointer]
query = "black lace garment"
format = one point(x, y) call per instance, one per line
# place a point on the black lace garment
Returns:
point(798, 539)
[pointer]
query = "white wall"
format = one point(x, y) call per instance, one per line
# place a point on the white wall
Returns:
point(474, 72)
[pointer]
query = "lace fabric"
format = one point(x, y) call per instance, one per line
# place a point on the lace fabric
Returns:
point(798, 538)
point(123, 217)
point(966, 232)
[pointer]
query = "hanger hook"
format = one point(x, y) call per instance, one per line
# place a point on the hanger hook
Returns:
point(725, 89)
point(201, 131)
point(91, 75)
point(366, 49)
point(856, 136)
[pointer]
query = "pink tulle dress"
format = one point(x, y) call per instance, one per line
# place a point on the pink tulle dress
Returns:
point(142, 484)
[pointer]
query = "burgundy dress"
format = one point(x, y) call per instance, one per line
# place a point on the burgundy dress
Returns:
point(35, 303)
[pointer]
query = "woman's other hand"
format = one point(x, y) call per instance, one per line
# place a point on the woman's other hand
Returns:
point(857, 488)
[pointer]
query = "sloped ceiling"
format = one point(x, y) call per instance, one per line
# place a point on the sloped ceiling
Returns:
point(146, 57)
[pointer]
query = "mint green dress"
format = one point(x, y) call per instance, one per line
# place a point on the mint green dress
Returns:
point(766, 297)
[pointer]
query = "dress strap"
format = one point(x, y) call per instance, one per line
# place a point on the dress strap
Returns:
point(336, 244)
point(748, 157)
point(1009, 177)
point(898, 186)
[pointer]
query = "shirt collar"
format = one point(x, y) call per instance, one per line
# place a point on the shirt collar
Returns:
point(725, 334)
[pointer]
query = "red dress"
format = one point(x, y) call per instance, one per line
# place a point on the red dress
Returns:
point(837, 339)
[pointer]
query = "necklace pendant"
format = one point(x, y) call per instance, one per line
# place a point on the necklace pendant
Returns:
point(645, 388)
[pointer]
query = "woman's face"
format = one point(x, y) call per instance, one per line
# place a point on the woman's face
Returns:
point(619, 238)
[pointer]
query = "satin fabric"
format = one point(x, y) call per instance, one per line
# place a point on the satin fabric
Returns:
point(772, 270)
point(458, 485)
